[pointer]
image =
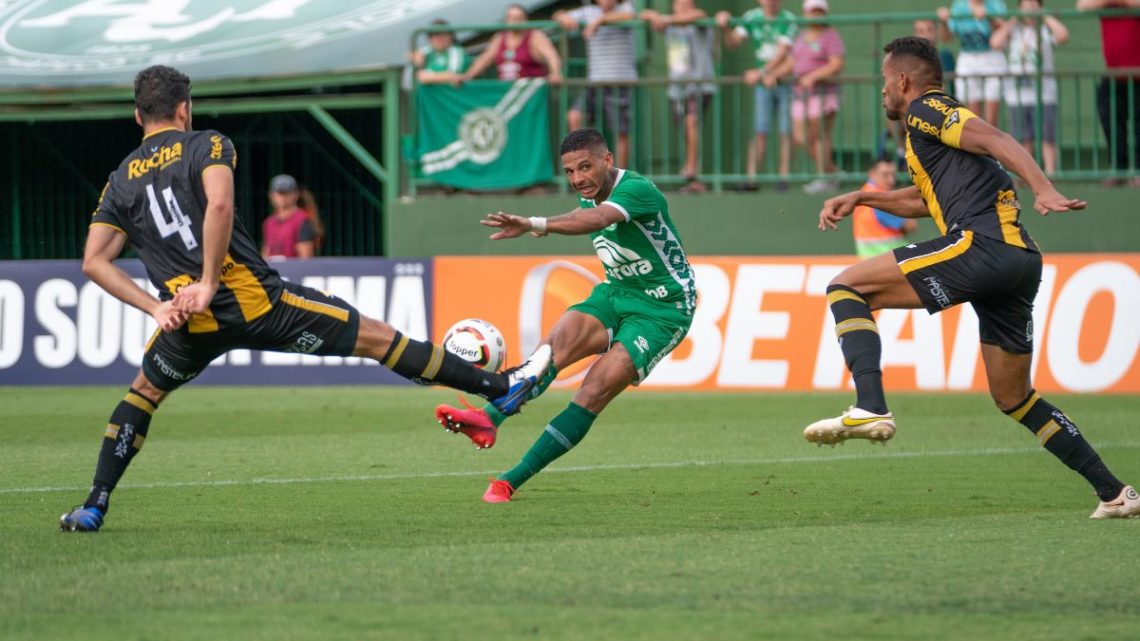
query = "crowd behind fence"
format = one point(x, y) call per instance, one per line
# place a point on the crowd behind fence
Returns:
point(683, 119)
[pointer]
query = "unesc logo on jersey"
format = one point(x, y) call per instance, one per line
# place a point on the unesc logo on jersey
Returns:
point(109, 35)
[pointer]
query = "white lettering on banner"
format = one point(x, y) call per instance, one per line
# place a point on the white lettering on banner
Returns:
point(706, 338)
point(368, 294)
point(924, 352)
point(100, 321)
point(747, 324)
point(937, 365)
point(408, 311)
point(1123, 284)
point(11, 323)
point(57, 348)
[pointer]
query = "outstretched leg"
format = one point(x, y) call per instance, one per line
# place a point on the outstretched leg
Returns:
point(1008, 376)
point(124, 437)
point(607, 378)
point(873, 284)
point(575, 336)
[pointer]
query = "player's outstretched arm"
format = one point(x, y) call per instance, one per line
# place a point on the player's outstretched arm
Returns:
point(980, 137)
point(104, 244)
point(905, 202)
point(218, 226)
point(575, 223)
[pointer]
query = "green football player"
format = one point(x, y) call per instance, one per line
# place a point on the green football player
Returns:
point(634, 319)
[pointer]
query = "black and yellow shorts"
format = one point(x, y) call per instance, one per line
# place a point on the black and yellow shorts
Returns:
point(304, 321)
point(999, 280)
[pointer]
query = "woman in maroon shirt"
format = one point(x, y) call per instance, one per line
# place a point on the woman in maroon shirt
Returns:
point(290, 231)
point(519, 54)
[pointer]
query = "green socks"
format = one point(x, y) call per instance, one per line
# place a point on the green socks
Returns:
point(564, 432)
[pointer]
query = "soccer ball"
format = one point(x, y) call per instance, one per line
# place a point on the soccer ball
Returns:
point(477, 342)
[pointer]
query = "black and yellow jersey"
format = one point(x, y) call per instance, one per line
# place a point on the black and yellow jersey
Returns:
point(963, 190)
point(156, 198)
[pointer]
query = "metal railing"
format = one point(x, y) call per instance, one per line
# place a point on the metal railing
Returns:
point(1090, 146)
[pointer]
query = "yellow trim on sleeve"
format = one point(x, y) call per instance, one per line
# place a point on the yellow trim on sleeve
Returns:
point(102, 224)
point(952, 133)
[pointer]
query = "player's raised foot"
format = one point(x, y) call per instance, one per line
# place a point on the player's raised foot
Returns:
point(854, 423)
point(81, 519)
point(498, 491)
point(1125, 506)
point(470, 421)
point(523, 379)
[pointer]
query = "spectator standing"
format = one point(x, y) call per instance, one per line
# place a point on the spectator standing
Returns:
point(772, 32)
point(689, 51)
point(442, 61)
point(1118, 96)
point(288, 232)
point(1028, 43)
point(980, 68)
point(609, 59)
point(935, 33)
point(877, 232)
point(818, 54)
point(519, 54)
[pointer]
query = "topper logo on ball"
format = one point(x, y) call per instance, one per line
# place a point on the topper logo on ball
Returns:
point(72, 36)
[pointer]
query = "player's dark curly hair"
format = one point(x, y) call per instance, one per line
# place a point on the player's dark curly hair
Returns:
point(159, 90)
point(580, 139)
point(916, 53)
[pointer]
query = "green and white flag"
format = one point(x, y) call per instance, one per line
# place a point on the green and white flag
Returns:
point(485, 134)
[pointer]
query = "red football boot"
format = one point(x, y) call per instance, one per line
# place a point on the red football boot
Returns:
point(472, 422)
point(498, 492)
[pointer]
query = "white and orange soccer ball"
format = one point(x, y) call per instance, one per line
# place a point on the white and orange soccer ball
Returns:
point(477, 342)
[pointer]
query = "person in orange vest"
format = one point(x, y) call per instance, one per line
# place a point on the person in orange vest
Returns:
point(875, 231)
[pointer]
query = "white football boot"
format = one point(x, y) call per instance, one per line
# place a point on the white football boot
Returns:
point(854, 423)
point(1125, 506)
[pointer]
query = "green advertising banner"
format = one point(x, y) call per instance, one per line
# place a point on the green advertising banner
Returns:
point(486, 134)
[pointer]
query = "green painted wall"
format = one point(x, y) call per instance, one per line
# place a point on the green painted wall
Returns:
point(765, 223)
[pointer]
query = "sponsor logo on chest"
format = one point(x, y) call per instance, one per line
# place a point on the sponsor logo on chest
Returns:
point(620, 262)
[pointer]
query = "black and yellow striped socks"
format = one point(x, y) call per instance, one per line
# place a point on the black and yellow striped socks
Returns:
point(859, 339)
point(122, 440)
point(427, 363)
point(1058, 434)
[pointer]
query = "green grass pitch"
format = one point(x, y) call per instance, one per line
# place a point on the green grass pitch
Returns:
point(347, 513)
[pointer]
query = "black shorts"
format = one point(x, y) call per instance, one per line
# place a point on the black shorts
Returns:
point(999, 280)
point(614, 103)
point(303, 321)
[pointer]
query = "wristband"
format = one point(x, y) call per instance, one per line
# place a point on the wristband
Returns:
point(538, 224)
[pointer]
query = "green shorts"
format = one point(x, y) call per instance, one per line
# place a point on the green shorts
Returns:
point(649, 330)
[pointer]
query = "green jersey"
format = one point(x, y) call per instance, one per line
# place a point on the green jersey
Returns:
point(453, 59)
point(767, 35)
point(643, 256)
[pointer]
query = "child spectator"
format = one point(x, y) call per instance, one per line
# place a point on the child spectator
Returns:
point(877, 232)
point(442, 61)
point(1029, 44)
